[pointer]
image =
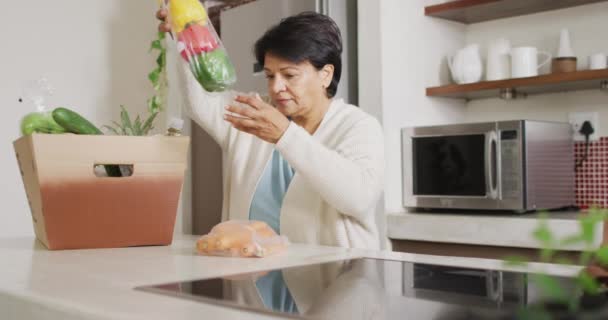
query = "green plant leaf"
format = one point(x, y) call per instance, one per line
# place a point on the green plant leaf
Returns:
point(574, 239)
point(602, 255)
point(585, 257)
point(516, 261)
point(156, 45)
point(111, 129)
point(160, 61)
point(148, 124)
point(150, 105)
point(137, 126)
point(587, 229)
point(153, 77)
point(154, 105)
point(564, 261)
point(599, 214)
point(533, 313)
point(546, 254)
point(160, 35)
point(589, 223)
point(550, 287)
point(119, 126)
point(543, 234)
point(588, 283)
point(126, 121)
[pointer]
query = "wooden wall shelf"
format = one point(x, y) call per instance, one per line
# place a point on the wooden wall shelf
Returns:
point(473, 11)
point(557, 82)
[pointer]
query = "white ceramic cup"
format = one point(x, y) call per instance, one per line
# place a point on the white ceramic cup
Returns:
point(498, 67)
point(498, 62)
point(524, 61)
point(597, 61)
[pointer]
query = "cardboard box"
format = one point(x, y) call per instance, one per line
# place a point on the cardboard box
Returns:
point(73, 208)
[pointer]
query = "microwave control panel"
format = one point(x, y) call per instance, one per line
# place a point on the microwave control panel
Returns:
point(510, 159)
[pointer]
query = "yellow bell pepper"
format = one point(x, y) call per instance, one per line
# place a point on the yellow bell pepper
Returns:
point(184, 12)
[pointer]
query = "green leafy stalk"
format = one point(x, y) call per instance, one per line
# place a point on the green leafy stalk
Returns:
point(111, 129)
point(533, 313)
point(158, 76)
point(148, 123)
point(515, 261)
point(550, 287)
point(160, 83)
point(585, 282)
point(126, 121)
point(137, 125)
point(546, 238)
point(602, 255)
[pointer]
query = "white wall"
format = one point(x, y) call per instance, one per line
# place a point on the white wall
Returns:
point(95, 54)
point(587, 25)
point(407, 52)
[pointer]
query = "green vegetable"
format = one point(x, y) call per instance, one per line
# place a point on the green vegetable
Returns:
point(40, 122)
point(213, 70)
point(75, 123)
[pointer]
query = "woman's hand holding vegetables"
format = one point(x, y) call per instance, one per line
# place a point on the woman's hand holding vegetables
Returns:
point(162, 15)
point(261, 120)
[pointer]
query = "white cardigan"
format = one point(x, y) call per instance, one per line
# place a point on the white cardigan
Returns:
point(339, 170)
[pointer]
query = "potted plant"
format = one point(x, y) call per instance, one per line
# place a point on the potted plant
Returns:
point(589, 297)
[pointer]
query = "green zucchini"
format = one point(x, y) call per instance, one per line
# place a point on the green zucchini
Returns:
point(75, 123)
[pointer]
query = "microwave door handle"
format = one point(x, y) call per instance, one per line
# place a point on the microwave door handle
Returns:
point(490, 165)
point(494, 286)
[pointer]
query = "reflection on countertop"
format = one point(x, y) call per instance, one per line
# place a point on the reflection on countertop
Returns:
point(368, 289)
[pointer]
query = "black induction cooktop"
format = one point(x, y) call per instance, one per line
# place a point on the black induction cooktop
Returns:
point(366, 289)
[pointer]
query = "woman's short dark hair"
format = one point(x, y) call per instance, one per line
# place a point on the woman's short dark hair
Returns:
point(308, 36)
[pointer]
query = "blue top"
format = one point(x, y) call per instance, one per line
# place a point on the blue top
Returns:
point(266, 206)
point(275, 294)
point(268, 197)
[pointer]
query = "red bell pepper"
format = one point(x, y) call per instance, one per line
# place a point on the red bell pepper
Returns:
point(196, 39)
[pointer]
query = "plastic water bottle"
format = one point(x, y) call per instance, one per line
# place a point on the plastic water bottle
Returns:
point(175, 127)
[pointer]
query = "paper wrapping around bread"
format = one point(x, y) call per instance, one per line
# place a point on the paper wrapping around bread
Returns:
point(241, 238)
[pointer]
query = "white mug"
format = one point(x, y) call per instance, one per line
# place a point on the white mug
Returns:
point(597, 61)
point(524, 61)
point(498, 61)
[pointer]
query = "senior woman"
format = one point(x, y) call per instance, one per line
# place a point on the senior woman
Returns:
point(309, 165)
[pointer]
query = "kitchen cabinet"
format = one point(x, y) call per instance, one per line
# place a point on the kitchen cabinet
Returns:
point(473, 11)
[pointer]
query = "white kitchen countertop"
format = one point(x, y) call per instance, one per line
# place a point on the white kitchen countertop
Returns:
point(98, 284)
point(484, 229)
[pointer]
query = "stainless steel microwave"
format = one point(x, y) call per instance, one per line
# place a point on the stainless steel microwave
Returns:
point(508, 165)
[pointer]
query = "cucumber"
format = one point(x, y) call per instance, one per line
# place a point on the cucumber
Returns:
point(75, 123)
point(113, 170)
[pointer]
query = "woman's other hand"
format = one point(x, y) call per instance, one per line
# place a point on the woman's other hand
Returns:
point(261, 120)
point(162, 15)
